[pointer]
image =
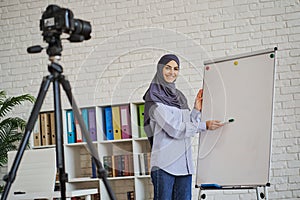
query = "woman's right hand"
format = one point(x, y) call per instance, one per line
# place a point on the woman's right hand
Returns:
point(213, 124)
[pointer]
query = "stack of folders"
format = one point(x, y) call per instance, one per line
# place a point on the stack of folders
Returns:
point(45, 132)
point(118, 165)
point(74, 132)
point(117, 122)
point(144, 163)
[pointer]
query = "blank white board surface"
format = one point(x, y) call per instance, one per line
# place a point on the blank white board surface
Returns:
point(36, 173)
point(241, 88)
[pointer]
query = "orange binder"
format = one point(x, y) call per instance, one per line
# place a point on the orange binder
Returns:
point(45, 129)
point(37, 134)
point(52, 128)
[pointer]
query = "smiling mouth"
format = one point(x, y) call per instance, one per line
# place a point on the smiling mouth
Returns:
point(171, 76)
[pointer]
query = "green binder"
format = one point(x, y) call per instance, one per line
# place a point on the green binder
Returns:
point(142, 132)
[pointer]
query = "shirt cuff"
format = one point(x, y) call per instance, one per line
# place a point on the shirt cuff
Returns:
point(201, 126)
point(196, 114)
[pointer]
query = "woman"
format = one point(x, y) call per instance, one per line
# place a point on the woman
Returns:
point(169, 125)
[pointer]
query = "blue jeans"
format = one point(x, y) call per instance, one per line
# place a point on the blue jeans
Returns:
point(170, 187)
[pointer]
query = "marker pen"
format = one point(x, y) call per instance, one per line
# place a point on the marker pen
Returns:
point(229, 121)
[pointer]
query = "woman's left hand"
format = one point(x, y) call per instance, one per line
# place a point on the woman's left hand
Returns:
point(198, 100)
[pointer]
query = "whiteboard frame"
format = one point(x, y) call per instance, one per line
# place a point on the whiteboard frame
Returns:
point(245, 55)
point(235, 57)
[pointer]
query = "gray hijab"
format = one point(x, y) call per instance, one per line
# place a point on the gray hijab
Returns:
point(161, 91)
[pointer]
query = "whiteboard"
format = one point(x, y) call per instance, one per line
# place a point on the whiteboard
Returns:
point(36, 174)
point(241, 88)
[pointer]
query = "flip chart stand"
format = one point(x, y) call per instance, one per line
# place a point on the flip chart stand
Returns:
point(261, 190)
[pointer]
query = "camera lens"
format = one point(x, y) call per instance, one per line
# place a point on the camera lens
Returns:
point(83, 28)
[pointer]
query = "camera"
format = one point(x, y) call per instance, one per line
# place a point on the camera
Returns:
point(56, 20)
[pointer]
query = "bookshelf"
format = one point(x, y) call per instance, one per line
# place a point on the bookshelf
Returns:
point(125, 153)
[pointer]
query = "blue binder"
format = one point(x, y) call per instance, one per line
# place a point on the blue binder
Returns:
point(108, 123)
point(71, 127)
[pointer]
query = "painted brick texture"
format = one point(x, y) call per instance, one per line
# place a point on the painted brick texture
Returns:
point(128, 37)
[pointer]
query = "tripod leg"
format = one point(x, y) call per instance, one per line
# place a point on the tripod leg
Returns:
point(101, 171)
point(10, 177)
point(67, 87)
point(60, 159)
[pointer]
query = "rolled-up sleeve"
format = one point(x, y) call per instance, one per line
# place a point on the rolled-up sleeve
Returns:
point(196, 118)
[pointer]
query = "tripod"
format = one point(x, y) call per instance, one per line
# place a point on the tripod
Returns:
point(58, 79)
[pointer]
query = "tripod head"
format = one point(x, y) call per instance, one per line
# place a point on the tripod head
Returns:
point(55, 46)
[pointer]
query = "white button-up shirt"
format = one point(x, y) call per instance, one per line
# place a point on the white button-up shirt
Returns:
point(173, 128)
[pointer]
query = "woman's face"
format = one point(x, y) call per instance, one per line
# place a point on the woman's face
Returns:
point(170, 71)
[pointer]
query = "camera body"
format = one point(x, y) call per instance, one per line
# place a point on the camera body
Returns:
point(56, 20)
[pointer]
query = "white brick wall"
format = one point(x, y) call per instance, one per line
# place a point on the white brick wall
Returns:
point(128, 37)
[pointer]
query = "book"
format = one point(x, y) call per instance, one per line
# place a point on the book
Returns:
point(107, 164)
point(131, 168)
point(147, 163)
point(96, 196)
point(128, 165)
point(122, 165)
point(142, 164)
point(94, 169)
point(130, 195)
point(118, 165)
point(113, 166)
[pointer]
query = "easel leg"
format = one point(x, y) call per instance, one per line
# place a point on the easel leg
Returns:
point(261, 195)
point(201, 196)
point(266, 193)
point(257, 194)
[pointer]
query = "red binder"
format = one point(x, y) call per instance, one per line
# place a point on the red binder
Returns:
point(78, 131)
